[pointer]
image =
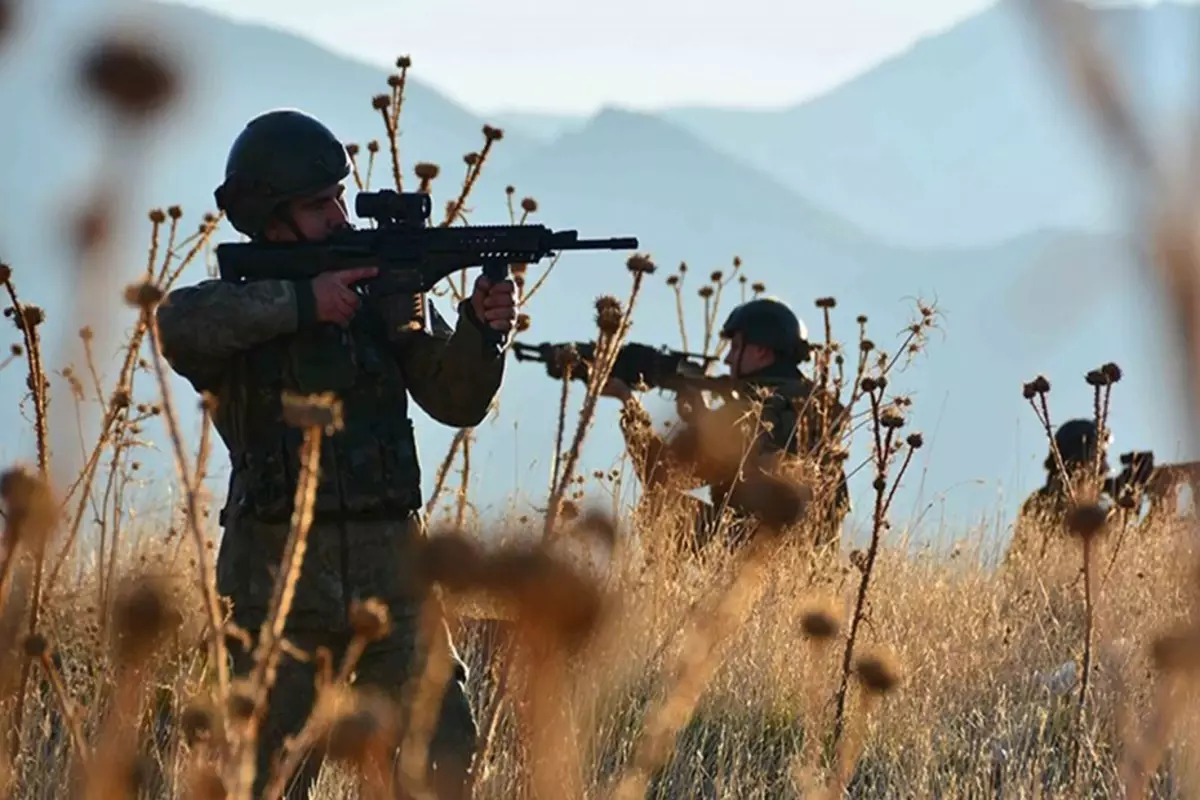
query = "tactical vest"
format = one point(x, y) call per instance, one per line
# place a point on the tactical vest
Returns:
point(368, 469)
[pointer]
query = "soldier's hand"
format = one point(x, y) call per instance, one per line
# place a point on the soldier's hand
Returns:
point(495, 306)
point(336, 301)
point(615, 387)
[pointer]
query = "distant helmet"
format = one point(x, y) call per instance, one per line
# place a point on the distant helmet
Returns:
point(769, 322)
point(1076, 441)
point(279, 156)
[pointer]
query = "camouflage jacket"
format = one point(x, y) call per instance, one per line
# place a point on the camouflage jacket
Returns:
point(246, 344)
point(788, 418)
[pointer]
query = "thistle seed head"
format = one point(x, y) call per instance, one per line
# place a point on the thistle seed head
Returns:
point(878, 672)
point(128, 75)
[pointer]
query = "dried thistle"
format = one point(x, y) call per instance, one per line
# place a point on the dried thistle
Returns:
point(381, 102)
point(523, 323)
point(144, 295)
point(640, 264)
point(878, 672)
point(426, 171)
point(529, 205)
point(1087, 520)
point(492, 134)
point(403, 62)
point(352, 149)
point(143, 613)
point(826, 302)
point(819, 620)
point(128, 75)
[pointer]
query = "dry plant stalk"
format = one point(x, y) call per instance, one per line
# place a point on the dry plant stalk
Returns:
point(698, 659)
point(315, 415)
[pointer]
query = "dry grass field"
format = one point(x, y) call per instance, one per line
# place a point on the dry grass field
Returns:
point(605, 661)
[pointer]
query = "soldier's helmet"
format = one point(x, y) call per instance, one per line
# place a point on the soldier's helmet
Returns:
point(769, 322)
point(1076, 441)
point(280, 155)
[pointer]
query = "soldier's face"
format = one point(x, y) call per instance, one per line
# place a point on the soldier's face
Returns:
point(744, 359)
point(316, 216)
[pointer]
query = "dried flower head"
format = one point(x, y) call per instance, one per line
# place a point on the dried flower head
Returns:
point(607, 301)
point(157, 216)
point(175, 212)
point(891, 418)
point(826, 302)
point(492, 134)
point(1112, 372)
point(144, 295)
point(819, 620)
point(529, 205)
point(705, 291)
point(135, 80)
point(510, 190)
point(426, 171)
point(28, 504)
point(369, 619)
point(143, 613)
point(758, 287)
point(523, 323)
point(1096, 378)
point(672, 280)
point(866, 345)
point(471, 159)
point(381, 102)
point(5, 273)
point(915, 440)
point(403, 62)
point(32, 316)
point(35, 645)
point(609, 321)
point(640, 264)
point(1028, 390)
point(318, 410)
point(1041, 385)
point(878, 672)
point(16, 350)
point(716, 276)
point(373, 146)
point(352, 149)
point(1086, 520)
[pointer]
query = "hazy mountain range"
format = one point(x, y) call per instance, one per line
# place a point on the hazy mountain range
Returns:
point(954, 172)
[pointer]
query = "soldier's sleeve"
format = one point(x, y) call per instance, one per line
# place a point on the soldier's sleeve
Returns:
point(200, 327)
point(780, 429)
point(449, 375)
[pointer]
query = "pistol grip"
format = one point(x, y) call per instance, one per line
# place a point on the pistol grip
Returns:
point(494, 340)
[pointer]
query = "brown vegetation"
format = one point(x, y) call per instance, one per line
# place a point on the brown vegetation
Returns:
point(605, 662)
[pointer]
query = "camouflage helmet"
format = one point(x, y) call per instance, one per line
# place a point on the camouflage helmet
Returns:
point(769, 322)
point(279, 156)
point(1076, 441)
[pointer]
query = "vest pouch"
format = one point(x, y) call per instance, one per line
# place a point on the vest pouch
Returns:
point(378, 468)
point(269, 486)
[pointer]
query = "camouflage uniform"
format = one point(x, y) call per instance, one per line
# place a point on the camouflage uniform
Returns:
point(787, 418)
point(246, 345)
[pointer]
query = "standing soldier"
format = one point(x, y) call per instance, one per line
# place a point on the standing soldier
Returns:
point(246, 345)
point(767, 343)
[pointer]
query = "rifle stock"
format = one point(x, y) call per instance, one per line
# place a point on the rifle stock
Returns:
point(411, 257)
point(1160, 483)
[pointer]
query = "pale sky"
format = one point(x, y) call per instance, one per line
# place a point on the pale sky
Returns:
point(574, 56)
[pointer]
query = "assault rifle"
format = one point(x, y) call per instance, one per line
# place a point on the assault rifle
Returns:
point(1141, 478)
point(656, 367)
point(411, 257)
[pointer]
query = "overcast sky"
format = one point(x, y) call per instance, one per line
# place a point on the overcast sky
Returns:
point(573, 56)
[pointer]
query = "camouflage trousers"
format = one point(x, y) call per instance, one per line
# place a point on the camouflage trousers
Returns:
point(344, 562)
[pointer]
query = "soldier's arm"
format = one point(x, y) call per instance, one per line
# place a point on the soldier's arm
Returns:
point(200, 327)
point(655, 459)
point(450, 375)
